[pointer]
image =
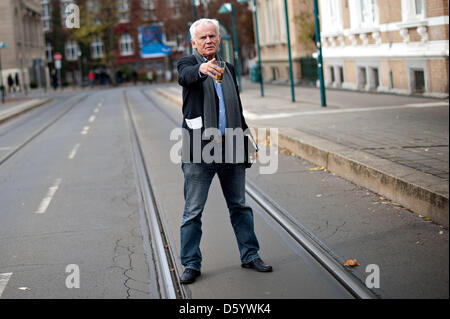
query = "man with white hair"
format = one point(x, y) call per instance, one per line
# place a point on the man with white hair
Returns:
point(212, 106)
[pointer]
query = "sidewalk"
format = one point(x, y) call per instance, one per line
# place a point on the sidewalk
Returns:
point(396, 146)
point(12, 109)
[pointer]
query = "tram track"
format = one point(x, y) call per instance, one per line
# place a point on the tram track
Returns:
point(42, 129)
point(298, 233)
point(162, 253)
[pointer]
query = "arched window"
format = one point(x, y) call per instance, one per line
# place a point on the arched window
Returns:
point(126, 44)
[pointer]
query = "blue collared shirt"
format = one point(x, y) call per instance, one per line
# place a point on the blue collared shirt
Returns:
point(222, 112)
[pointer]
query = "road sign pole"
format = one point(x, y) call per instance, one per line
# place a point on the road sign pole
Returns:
point(291, 75)
point(261, 80)
point(319, 55)
point(57, 57)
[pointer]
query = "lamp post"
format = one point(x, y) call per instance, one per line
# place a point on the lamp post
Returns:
point(291, 75)
point(261, 82)
point(194, 7)
point(226, 8)
point(80, 67)
point(2, 87)
point(319, 54)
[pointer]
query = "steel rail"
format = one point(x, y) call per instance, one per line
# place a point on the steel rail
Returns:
point(299, 234)
point(302, 236)
point(43, 129)
point(168, 283)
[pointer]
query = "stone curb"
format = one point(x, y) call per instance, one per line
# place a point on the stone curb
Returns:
point(422, 193)
point(20, 109)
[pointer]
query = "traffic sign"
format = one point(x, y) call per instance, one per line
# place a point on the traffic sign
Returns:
point(58, 64)
point(57, 56)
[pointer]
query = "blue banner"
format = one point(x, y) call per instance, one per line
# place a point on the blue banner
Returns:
point(152, 44)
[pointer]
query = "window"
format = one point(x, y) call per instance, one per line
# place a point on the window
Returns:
point(97, 48)
point(332, 77)
point(148, 4)
point(419, 81)
point(362, 78)
point(46, 15)
point(418, 7)
point(272, 22)
point(72, 50)
point(126, 44)
point(124, 13)
point(374, 78)
point(363, 14)
point(275, 73)
point(413, 10)
point(331, 12)
point(148, 9)
point(368, 14)
point(341, 74)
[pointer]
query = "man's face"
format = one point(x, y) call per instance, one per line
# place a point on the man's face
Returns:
point(206, 40)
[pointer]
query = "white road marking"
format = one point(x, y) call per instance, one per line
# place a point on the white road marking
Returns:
point(254, 116)
point(4, 278)
point(96, 110)
point(74, 151)
point(48, 198)
point(6, 148)
point(85, 130)
point(92, 119)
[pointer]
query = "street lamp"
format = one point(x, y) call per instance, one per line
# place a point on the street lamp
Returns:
point(195, 3)
point(226, 8)
point(80, 67)
point(2, 46)
point(291, 76)
point(319, 53)
point(261, 82)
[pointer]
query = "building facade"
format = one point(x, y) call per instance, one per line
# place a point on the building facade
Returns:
point(273, 38)
point(21, 30)
point(121, 38)
point(397, 46)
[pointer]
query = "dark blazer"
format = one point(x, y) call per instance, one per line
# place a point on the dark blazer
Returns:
point(192, 83)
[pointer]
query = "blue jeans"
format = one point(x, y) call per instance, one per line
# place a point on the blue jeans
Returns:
point(197, 180)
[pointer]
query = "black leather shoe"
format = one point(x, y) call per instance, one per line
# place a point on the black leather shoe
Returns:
point(189, 275)
point(258, 265)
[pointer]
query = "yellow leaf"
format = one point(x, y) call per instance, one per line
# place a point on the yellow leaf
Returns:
point(351, 263)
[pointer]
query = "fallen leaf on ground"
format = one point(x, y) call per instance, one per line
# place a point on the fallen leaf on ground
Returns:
point(351, 263)
point(317, 168)
point(284, 150)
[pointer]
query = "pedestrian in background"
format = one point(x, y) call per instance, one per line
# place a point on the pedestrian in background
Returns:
point(134, 76)
point(17, 82)
point(10, 84)
point(54, 78)
point(91, 77)
point(207, 104)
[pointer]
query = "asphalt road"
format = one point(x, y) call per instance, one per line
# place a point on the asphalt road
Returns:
point(68, 197)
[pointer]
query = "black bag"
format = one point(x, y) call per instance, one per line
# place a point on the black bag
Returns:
point(250, 147)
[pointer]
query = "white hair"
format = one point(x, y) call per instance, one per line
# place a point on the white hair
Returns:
point(203, 22)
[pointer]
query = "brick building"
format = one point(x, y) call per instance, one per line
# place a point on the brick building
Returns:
point(21, 30)
point(398, 46)
point(123, 37)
